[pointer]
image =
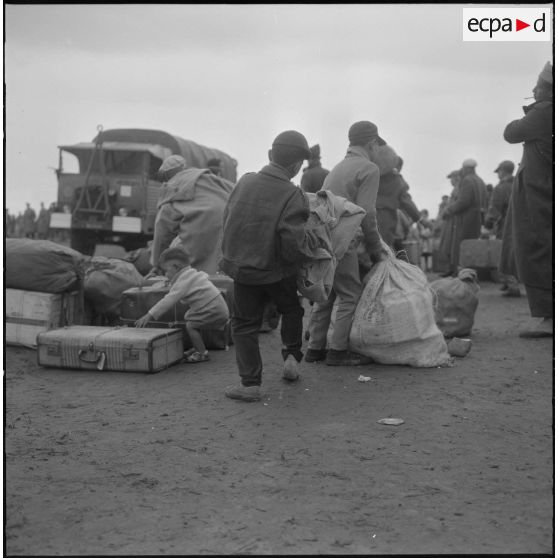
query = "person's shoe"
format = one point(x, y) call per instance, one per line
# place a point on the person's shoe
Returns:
point(346, 358)
point(244, 393)
point(512, 293)
point(290, 369)
point(545, 328)
point(315, 355)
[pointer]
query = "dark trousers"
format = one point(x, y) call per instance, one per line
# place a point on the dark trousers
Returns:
point(248, 310)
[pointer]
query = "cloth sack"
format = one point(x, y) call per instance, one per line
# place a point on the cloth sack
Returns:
point(455, 303)
point(336, 222)
point(42, 265)
point(394, 319)
point(141, 259)
point(104, 282)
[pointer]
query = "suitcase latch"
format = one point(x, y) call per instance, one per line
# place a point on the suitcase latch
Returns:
point(131, 354)
point(54, 350)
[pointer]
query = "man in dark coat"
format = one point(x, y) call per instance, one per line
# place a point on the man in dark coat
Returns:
point(314, 174)
point(393, 194)
point(528, 232)
point(265, 241)
point(448, 224)
point(43, 222)
point(466, 211)
point(496, 216)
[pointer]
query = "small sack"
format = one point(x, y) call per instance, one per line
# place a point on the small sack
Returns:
point(394, 319)
point(42, 265)
point(455, 303)
point(141, 259)
point(105, 281)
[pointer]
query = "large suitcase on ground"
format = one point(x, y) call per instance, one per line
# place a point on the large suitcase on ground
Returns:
point(481, 253)
point(137, 301)
point(27, 313)
point(122, 349)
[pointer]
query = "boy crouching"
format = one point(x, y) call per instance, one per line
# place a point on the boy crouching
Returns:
point(207, 307)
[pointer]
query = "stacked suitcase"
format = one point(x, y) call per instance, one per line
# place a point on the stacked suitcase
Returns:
point(138, 300)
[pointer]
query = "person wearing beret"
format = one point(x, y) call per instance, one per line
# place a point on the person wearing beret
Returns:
point(528, 241)
point(265, 241)
point(357, 179)
point(314, 174)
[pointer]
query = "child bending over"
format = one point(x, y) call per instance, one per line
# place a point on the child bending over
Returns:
point(207, 308)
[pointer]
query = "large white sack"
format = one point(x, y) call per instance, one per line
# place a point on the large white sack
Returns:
point(394, 319)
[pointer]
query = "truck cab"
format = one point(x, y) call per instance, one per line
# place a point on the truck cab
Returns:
point(110, 193)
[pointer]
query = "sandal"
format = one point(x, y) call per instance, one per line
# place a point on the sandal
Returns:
point(196, 357)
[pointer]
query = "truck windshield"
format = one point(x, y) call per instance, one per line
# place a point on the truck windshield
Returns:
point(115, 162)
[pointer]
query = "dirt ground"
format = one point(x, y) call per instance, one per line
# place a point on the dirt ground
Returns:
point(115, 463)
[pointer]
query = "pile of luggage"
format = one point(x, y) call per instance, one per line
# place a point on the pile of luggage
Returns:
point(74, 309)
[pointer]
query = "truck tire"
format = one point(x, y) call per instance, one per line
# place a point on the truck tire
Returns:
point(83, 241)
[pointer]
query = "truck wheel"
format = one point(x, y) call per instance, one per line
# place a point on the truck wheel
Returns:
point(83, 241)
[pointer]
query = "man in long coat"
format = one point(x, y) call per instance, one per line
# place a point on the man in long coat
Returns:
point(466, 211)
point(496, 217)
point(43, 222)
point(528, 232)
point(29, 217)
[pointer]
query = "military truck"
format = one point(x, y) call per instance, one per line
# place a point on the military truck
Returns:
point(110, 196)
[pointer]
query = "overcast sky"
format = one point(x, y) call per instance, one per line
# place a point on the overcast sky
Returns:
point(232, 77)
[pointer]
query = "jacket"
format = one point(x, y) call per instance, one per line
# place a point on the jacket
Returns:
point(357, 178)
point(189, 285)
point(393, 194)
point(264, 233)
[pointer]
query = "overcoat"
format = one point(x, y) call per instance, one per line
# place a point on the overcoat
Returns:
point(466, 212)
point(528, 243)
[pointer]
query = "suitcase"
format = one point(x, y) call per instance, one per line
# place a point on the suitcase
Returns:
point(480, 253)
point(27, 313)
point(121, 349)
point(137, 301)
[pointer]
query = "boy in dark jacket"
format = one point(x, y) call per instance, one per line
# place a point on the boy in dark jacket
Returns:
point(264, 243)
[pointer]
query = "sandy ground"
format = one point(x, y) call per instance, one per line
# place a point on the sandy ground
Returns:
point(115, 463)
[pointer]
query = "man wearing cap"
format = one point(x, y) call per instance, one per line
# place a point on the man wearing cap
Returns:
point(190, 213)
point(467, 211)
point(496, 216)
point(265, 241)
point(314, 174)
point(357, 179)
point(528, 242)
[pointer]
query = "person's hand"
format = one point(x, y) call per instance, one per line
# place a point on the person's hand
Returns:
point(144, 320)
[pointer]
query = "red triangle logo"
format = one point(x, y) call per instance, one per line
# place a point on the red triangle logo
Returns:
point(519, 25)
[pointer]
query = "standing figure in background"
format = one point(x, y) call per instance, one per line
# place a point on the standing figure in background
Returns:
point(425, 228)
point(496, 216)
point(448, 223)
point(528, 246)
point(29, 217)
point(314, 174)
point(393, 195)
point(467, 210)
point(43, 222)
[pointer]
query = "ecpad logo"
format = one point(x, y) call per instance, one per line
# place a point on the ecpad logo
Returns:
point(507, 24)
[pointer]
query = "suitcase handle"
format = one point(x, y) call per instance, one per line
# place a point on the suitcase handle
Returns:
point(99, 358)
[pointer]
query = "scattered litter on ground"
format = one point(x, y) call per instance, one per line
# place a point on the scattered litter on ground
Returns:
point(391, 421)
point(362, 378)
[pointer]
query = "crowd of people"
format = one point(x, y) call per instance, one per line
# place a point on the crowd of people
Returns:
point(29, 224)
point(262, 236)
